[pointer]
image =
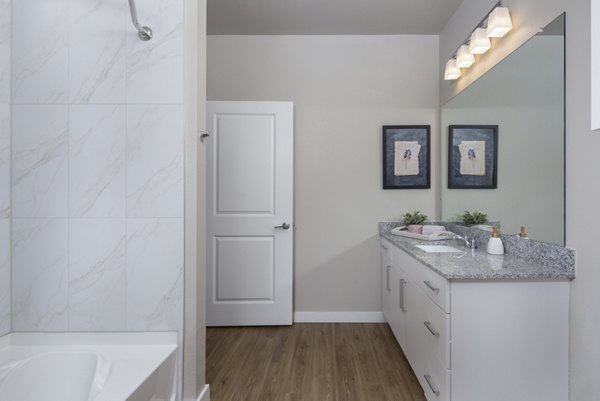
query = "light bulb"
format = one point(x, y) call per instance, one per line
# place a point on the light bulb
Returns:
point(499, 23)
point(464, 58)
point(479, 43)
point(452, 71)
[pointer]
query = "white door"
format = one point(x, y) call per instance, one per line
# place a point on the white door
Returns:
point(249, 213)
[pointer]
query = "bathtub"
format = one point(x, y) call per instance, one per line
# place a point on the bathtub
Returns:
point(88, 367)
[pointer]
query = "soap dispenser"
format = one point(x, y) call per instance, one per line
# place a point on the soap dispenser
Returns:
point(495, 246)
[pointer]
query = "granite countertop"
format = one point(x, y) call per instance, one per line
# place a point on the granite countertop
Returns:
point(478, 264)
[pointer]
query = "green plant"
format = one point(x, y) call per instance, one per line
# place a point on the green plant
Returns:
point(473, 218)
point(415, 217)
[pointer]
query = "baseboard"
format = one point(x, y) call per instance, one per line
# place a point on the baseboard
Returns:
point(339, 317)
point(205, 394)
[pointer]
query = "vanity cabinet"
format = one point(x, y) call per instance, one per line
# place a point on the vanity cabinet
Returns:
point(474, 340)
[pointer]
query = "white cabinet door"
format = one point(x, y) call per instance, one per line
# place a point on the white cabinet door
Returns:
point(396, 320)
point(513, 337)
point(414, 300)
point(386, 283)
point(249, 213)
point(387, 294)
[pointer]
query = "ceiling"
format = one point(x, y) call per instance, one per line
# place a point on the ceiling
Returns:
point(329, 17)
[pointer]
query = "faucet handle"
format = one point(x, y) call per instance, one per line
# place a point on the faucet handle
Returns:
point(472, 242)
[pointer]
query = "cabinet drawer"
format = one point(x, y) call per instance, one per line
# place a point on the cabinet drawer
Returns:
point(386, 249)
point(436, 287)
point(435, 332)
point(435, 381)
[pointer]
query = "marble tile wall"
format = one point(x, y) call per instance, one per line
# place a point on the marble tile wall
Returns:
point(97, 166)
point(5, 209)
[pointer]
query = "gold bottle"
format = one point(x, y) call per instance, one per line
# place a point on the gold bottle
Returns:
point(523, 234)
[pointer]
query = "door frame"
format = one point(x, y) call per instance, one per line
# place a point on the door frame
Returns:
point(193, 366)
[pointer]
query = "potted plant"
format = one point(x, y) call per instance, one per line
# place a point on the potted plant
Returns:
point(473, 218)
point(414, 221)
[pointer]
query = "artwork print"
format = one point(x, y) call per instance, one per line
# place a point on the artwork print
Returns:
point(406, 156)
point(473, 156)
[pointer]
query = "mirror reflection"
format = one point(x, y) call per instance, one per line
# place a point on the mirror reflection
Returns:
point(524, 96)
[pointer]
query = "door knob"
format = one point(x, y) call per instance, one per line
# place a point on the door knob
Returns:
point(285, 226)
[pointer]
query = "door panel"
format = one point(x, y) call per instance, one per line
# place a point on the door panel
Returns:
point(238, 280)
point(245, 165)
point(250, 197)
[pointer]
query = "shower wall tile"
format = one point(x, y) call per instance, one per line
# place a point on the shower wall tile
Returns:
point(97, 58)
point(95, 167)
point(97, 274)
point(40, 161)
point(4, 276)
point(97, 161)
point(40, 52)
point(5, 35)
point(40, 274)
point(154, 161)
point(4, 161)
point(155, 68)
point(154, 274)
point(5, 211)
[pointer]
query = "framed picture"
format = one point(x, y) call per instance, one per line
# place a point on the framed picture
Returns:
point(473, 156)
point(406, 153)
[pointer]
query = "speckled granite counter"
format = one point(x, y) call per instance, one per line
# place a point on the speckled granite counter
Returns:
point(479, 265)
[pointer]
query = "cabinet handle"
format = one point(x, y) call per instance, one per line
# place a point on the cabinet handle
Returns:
point(431, 287)
point(431, 329)
point(402, 284)
point(401, 295)
point(387, 283)
point(431, 386)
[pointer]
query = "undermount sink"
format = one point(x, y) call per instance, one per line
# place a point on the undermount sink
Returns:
point(438, 248)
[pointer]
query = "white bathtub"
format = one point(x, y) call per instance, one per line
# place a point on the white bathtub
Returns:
point(88, 367)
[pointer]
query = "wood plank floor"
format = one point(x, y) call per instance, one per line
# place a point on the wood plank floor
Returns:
point(309, 362)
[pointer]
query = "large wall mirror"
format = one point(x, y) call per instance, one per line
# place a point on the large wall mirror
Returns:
point(524, 96)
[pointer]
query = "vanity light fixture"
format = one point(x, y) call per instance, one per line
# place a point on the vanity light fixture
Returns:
point(499, 23)
point(452, 71)
point(495, 24)
point(479, 42)
point(464, 57)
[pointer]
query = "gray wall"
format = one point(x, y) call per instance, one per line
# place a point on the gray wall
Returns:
point(583, 195)
point(344, 89)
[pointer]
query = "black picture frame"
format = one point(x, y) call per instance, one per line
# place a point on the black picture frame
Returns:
point(397, 177)
point(484, 133)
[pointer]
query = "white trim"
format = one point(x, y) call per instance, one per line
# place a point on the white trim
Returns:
point(339, 317)
point(191, 367)
point(205, 394)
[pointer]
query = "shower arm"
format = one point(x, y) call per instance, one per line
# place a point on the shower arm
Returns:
point(144, 33)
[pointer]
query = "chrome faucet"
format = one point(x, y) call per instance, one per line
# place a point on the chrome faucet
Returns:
point(465, 240)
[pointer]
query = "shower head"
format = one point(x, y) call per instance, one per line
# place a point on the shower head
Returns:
point(144, 32)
